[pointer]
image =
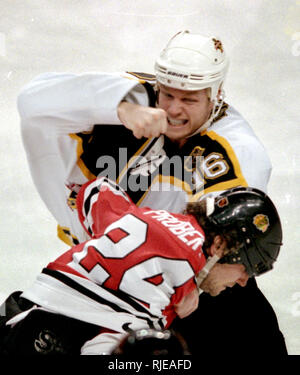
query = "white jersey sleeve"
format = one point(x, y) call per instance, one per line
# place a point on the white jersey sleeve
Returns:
point(68, 103)
point(53, 108)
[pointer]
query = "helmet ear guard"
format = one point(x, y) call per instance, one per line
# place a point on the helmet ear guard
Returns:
point(256, 221)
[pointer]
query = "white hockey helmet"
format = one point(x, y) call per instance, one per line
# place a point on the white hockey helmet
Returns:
point(192, 62)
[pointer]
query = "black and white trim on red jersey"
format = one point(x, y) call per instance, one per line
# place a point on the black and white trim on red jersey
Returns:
point(91, 196)
point(96, 297)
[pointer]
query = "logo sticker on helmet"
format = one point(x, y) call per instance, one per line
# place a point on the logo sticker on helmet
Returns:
point(218, 45)
point(222, 202)
point(261, 222)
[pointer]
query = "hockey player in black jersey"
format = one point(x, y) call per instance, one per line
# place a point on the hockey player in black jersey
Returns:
point(166, 140)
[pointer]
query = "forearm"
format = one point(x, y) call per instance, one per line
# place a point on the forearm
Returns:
point(68, 103)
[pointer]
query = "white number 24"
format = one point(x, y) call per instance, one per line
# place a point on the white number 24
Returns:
point(174, 272)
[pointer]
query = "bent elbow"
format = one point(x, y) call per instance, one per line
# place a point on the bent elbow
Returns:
point(30, 101)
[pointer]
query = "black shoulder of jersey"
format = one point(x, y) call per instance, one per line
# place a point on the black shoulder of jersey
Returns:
point(150, 78)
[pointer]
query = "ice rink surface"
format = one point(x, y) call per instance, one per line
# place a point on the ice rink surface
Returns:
point(263, 40)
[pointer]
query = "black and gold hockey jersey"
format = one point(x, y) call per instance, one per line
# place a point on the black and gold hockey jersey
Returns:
point(72, 134)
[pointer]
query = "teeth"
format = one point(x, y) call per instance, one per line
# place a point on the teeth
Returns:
point(176, 122)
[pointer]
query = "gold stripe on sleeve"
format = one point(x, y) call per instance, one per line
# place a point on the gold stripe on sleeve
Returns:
point(79, 151)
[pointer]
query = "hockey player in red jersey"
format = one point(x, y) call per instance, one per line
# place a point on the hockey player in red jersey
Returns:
point(133, 128)
point(141, 268)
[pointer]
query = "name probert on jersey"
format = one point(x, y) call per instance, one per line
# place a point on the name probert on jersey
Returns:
point(184, 231)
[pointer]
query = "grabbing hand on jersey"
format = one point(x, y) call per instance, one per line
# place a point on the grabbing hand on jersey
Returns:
point(143, 121)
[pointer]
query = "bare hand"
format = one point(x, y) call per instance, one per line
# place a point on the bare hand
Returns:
point(143, 121)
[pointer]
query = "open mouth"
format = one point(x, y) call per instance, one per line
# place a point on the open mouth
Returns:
point(176, 123)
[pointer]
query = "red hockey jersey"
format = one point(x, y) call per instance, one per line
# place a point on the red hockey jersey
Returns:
point(137, 265)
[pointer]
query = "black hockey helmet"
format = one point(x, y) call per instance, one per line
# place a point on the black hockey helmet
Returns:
point(152, 342)
point(255, 218)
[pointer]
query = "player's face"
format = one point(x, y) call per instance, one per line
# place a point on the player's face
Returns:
point(223, 276)
point(186, 110)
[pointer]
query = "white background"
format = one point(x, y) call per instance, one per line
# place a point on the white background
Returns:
point(263, 40)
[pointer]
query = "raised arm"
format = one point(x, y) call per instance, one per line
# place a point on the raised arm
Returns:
point(62, 103)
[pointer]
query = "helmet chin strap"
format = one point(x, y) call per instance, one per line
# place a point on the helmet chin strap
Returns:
point(211, 261)
point(214, 113)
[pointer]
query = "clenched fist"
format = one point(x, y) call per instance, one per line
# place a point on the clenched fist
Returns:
point(143, 121)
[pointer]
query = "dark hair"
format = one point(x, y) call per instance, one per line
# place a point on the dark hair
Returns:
point(230, 234)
